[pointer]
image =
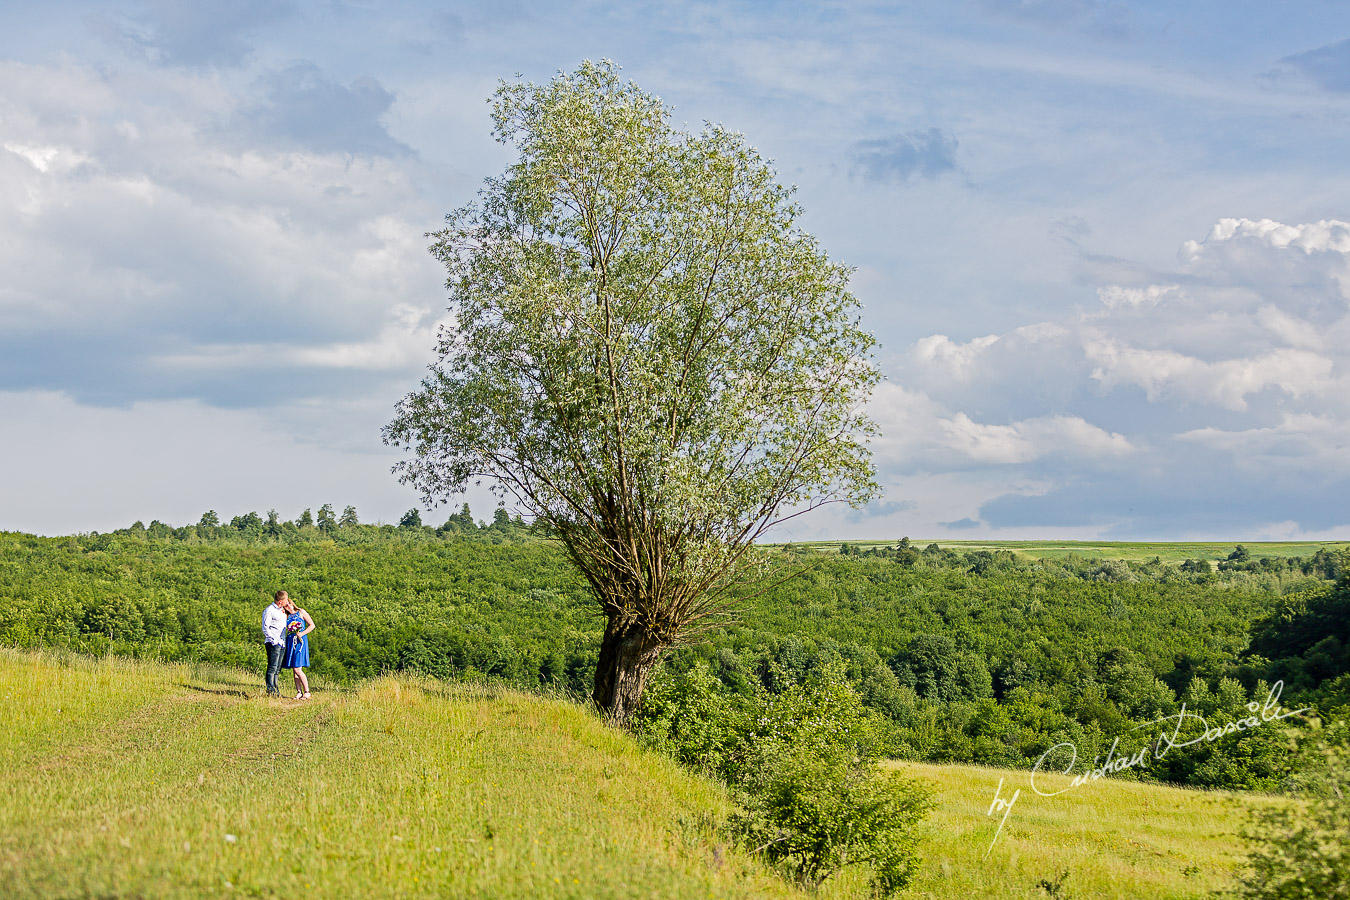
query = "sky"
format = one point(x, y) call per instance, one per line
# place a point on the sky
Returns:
point(1105, 246)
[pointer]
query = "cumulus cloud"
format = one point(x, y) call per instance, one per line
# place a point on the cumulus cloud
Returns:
point(1114, 296)
point(956, 359)
point(1030, 439)
point(1260, 306)
point(1320, 442)
point(137, 234)
point(405, 342)
point(919, 433)
point(1235, 366)
point(1255, 307)
point(963, 361)
point(916, 154)
point(1227, 383)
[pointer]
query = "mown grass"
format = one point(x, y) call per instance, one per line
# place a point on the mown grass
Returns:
point(123, 779)
point(1168, 552)
point(1116, 839)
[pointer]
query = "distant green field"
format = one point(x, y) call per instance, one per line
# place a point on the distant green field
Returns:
point(1135, 552)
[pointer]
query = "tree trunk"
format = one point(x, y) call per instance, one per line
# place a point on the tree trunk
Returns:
point(627, 655)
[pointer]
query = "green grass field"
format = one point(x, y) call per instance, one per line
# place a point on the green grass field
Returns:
point(126, 779)
point(1114, 838)
point(1170, 552)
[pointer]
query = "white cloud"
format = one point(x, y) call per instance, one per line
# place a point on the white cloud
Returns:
point(919, 433)
point(1256, 308)
point(1264, 308)
point(956, 359)
point(1319, 442)
point(140, 236)
point(941, 365)
point(1323, 236)
point(1227, 383)
point(1232, 368)
point(48, 159)
point(1030, 439)
point(404, 342)
point(1115, 296)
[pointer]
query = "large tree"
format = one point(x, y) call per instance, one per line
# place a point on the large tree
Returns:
point(647, 353)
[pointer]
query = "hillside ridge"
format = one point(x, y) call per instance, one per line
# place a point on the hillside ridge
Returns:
point(126, 779)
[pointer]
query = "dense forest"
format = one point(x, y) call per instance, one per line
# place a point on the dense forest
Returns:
point(980, 656)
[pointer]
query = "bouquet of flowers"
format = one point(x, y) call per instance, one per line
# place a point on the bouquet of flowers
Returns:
point(296, 627)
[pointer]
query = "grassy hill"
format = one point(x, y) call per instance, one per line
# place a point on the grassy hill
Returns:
point(124, 779)
point(127, 779)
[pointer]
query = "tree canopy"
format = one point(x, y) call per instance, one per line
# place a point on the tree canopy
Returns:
point(648, 355)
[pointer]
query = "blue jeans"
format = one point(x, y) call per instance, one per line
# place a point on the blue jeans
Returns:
point(274, 654)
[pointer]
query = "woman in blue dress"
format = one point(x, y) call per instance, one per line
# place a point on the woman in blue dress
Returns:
point(298, 627)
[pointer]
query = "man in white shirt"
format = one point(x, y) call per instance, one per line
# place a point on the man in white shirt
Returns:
point(274, 636)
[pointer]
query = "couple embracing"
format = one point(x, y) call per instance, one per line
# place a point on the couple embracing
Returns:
point(285, 628)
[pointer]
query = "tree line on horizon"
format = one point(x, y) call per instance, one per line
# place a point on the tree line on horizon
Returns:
point(326, 521)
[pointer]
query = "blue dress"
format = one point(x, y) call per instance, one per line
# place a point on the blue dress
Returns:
point(297, 651)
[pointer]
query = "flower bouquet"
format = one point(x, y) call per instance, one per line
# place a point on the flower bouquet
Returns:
point(296, 627)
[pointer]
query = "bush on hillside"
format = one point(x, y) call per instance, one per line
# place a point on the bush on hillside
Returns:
point(804, 765)
point(1300, 851)
point(820, 812)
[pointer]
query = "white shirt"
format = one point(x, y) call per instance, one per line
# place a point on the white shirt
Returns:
point(274, 624)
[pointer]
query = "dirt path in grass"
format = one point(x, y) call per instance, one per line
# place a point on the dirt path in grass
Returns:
point(134, 763)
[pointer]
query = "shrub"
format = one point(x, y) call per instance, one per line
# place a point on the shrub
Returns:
point(690, 718)
point(803, 763)
point(1300, 851)
point(820, 812)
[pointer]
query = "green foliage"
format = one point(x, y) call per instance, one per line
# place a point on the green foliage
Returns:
point(820, 812)
point(804, 762)
point(1307, 634)
point(814, 796)
point(498, 605)
point(1301, 852)
point(1197, 566)
point(649, 355)
point(691, 718)
point(937, 670)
